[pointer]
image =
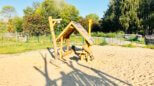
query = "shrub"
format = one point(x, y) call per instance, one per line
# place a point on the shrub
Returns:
point(103, 43)
point(132, 37)
point(149, 46)
point(131, 45)
point(109, 35)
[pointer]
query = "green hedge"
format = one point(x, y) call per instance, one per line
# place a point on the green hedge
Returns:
point(109, 35)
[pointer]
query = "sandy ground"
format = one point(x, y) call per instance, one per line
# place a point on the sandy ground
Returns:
point(113, 66)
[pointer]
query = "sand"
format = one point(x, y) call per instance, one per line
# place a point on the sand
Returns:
point(112, 66)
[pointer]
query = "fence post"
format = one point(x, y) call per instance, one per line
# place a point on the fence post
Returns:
point(38, 39)
point(27, 38)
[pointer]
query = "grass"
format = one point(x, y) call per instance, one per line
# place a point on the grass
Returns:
point(76, 39)
point(22, 47)
point(131, 45)
point(11, 46)
point(149, 46)
point(109, 35)
point(103, 42)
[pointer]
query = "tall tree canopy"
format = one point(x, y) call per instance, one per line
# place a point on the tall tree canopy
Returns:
point(131, 16)
point(146, 14)
point(8, 12)
point(95, 22)
point(39, 13)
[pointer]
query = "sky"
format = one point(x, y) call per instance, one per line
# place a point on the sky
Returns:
point(84, 6)
point(90, 6)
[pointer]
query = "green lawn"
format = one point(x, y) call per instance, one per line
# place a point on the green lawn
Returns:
point(11, 46)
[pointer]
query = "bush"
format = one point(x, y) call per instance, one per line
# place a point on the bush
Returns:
point(129, 45)
point(109, 35)
point(141, 41)
point(103, 43)
point(149, 46)
point(97, 34)
point(132, 37)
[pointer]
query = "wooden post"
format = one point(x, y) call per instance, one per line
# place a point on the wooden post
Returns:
point(61, 47)
point(90, 24)
point(87, 48)
point(68, 43)
point(51, 22)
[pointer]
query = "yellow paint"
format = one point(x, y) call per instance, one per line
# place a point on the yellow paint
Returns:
point(52, 22)
point(61, 48)
point(90, 25)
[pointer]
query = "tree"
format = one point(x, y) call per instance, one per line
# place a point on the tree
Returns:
point(36, 17)
point(122, 15)
point(28, 11)
point(8, 12)
point(17, 21)
point(146, 14)
point(110, 21)
point(129, 16)
point(93, 16)
point(83, 22)
point(68, 13)
point(34, 25)
point(10, 26)
point(49, 8)
point(95, 21)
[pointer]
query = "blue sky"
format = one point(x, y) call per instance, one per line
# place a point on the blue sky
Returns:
point(84, 6)
point(90, 6)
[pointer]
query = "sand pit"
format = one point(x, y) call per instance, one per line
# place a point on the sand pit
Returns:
point(113, 66)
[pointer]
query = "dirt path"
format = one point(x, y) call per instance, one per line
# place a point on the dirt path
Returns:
point(113, 66)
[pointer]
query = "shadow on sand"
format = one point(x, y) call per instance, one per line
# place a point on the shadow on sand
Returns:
point(80, 78)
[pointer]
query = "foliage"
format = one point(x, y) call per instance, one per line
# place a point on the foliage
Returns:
point(131, 16)
point(110, 35)
point(8, 12)
point(36, 17)
point(93, 16)
point(34, 25)
point(147, 15)
point(11, 23)
point(131, 45)
point(68, 13)
point(103, 43)
point(15, 25)
point(95, 20)
point(28, 11)
point(2, 27)
point(18, 24)
point(149, 46)
point(10, 26)
point(83, 22)
point(132, 37)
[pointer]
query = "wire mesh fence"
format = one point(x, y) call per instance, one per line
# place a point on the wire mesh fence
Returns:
point(17, 38)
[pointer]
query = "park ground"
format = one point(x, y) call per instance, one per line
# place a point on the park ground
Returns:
point(112, 66)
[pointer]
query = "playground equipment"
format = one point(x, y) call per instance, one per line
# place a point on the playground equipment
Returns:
point(64, 36)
